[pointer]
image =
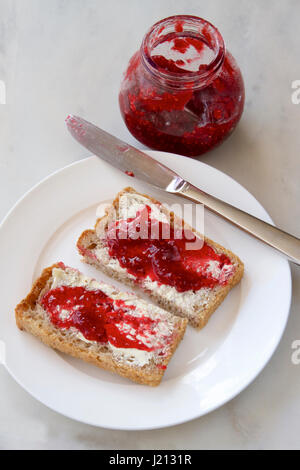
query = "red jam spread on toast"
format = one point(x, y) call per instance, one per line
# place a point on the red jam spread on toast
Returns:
point(169, 260)
point(100, 318)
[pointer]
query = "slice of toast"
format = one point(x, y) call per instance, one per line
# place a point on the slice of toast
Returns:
point(195, 305)
point(145, 363)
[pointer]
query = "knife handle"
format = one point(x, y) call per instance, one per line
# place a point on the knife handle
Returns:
point(272, 236)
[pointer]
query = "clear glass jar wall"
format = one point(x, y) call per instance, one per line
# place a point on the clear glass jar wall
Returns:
point(182, 91)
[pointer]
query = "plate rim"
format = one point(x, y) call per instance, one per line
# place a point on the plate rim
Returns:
point(210, 408)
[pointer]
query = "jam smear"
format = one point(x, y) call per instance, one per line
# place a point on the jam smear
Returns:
point(169, 261)
point(98, 317)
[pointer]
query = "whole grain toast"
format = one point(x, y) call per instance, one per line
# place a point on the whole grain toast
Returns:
point(196, 306)
point(33, 318)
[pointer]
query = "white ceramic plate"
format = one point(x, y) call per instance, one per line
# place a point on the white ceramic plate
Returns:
point(209, 368)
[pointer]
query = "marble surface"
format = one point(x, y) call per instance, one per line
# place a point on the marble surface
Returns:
point(62, 56)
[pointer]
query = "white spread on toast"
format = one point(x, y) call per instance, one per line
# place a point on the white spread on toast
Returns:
point(102, 254)
point(131, 356)
point(189, 300)
point(221, 274)
point(130, 204)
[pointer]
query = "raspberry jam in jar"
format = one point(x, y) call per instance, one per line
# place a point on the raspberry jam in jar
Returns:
point(182, 91)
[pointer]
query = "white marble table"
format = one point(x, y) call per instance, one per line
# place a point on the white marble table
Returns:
point(61, 56)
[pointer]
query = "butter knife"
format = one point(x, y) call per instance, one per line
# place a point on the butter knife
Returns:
point(131, 160)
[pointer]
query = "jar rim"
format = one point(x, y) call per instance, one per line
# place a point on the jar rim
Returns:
point(196, 78)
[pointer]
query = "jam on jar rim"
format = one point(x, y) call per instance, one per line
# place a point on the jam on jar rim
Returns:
point(100, 318)
point(166, 261)
point(183, 79)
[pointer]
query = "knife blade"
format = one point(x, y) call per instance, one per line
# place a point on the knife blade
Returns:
point(131, 160)
point(122, 155)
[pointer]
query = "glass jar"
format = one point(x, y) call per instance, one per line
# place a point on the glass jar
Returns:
point(182, 91)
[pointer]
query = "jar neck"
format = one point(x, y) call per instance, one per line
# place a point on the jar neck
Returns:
point(172, 29)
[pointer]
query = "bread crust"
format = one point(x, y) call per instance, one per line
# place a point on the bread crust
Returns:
point(27, 319)
point(30, 301)
point(89, 237)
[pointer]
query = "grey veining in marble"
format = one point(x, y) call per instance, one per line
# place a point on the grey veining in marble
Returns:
point(67, 56)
